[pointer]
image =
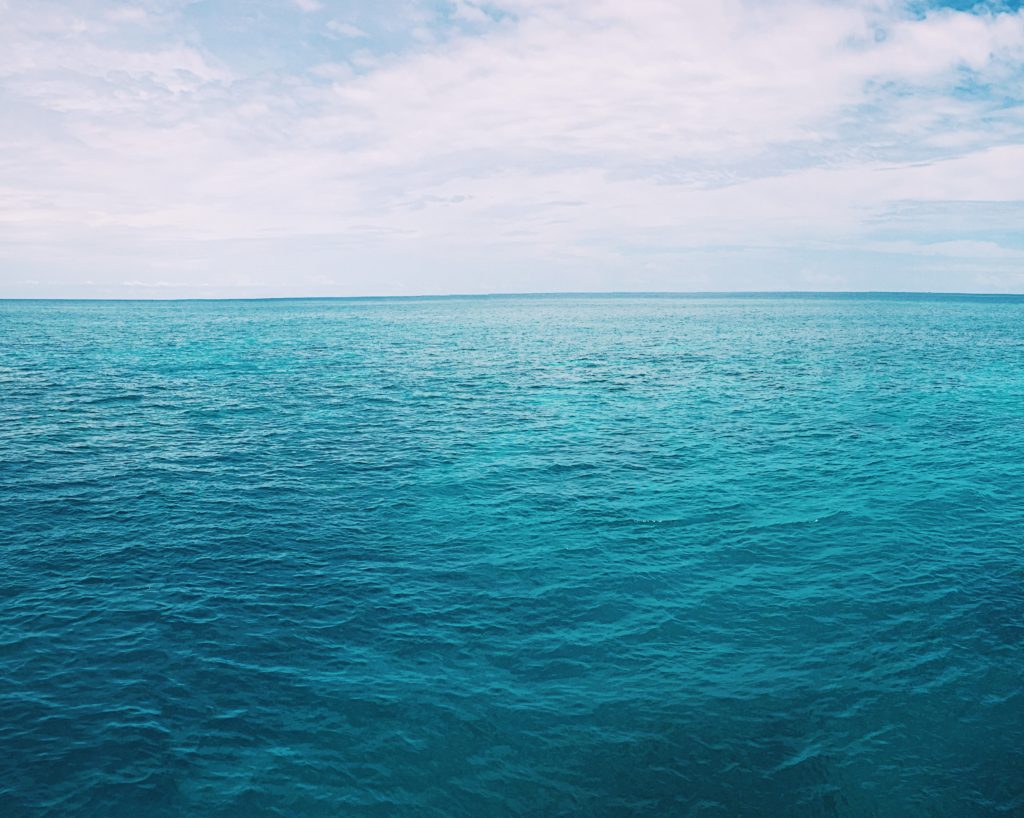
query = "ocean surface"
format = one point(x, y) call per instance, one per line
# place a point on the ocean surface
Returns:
point(513, 556)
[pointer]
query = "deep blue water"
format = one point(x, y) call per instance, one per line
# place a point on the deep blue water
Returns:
point(600, 556)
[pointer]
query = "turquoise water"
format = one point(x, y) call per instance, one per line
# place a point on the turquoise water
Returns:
point(602, 556)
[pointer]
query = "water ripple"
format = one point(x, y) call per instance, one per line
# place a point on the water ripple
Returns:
point(519, 556)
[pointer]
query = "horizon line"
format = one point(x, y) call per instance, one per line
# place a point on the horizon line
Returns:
point(531, 294)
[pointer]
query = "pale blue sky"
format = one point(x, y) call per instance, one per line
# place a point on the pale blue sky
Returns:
point(212, 148)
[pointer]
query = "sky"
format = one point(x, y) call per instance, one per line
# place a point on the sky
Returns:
point(267, 148)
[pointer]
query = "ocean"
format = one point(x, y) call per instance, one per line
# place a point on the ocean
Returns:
point(753, 555)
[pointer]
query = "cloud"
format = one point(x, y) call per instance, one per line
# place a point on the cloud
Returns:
point(954, 249)
point(308, 6)
point(345, 29)
point(698, 142)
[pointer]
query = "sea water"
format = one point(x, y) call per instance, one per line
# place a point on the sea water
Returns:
point(525, 556)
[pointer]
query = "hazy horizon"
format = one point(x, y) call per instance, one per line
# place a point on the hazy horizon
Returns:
point(909, 294)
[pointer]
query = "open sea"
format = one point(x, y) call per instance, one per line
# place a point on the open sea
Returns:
point(513, 556)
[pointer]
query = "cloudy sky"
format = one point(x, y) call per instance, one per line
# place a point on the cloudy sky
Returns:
point(169, 148)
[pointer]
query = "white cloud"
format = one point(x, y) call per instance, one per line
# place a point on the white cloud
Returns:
point(470, 11)
point(717, 135)
point(955, 249)
point(344, 29)
point(308, 6)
